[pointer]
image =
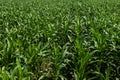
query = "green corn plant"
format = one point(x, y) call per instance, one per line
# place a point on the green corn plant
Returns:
point(81, 61)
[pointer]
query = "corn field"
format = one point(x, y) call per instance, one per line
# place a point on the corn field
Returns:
point(59, 39)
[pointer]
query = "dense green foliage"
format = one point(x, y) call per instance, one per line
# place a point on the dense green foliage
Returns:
point(59, 40)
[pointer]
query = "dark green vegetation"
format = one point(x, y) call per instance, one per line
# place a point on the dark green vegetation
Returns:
point(59, 40)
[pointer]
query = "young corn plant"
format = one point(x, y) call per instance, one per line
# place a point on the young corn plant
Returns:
point(81, 57)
